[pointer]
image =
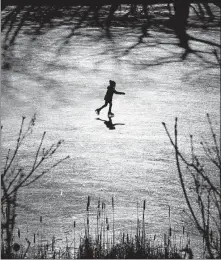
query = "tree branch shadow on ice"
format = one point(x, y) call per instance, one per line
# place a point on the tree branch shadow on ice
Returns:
point(37, 20)
point(109, 124)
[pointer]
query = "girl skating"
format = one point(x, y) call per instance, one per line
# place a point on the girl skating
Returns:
point(108, 98)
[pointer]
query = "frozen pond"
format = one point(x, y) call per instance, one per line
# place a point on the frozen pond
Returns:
point(64, 83)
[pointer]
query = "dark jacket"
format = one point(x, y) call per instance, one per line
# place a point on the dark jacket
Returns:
point(109, 94)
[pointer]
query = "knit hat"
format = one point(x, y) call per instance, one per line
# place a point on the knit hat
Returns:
point(112, 82)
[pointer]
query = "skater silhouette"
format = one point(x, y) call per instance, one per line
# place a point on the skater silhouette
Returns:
point(108, 97)
point(109, 124)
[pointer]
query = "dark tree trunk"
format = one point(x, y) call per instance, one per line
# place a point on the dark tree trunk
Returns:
point(181, 8)
point(111, 14)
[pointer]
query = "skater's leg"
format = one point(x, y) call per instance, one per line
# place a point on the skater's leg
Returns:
point(99, 109)
point(110, 107)
point(103, 106)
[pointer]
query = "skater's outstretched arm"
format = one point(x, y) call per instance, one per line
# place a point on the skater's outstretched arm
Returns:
point(118, 92)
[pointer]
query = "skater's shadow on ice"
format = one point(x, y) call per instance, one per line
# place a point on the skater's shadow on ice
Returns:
point(109, 124)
